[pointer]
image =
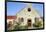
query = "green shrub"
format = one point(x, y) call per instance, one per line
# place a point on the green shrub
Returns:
point(37, 24)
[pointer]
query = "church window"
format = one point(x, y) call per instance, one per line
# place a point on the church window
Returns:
point(29, 9)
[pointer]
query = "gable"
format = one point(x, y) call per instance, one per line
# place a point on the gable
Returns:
point(24, 12)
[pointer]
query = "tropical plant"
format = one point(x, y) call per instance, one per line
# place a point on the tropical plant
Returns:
point(18, 26)
point(37, 24)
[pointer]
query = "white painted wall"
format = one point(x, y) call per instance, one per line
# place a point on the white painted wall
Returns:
point(26, 15)
point(10, 20)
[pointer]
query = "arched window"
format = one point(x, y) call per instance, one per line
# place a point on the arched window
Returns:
point(29, 9)
point(22, 19)
point(36, 19)
point(9, 24)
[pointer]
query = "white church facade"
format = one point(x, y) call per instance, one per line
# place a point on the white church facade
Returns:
point(28, 16)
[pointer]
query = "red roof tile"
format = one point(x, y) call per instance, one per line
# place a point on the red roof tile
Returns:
point(11, 17)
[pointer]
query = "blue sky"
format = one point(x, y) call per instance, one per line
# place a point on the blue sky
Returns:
point(14, 7)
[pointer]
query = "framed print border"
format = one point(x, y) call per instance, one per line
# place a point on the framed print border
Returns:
point(23, 2)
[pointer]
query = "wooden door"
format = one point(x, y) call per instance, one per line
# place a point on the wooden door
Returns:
point(29, 22)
